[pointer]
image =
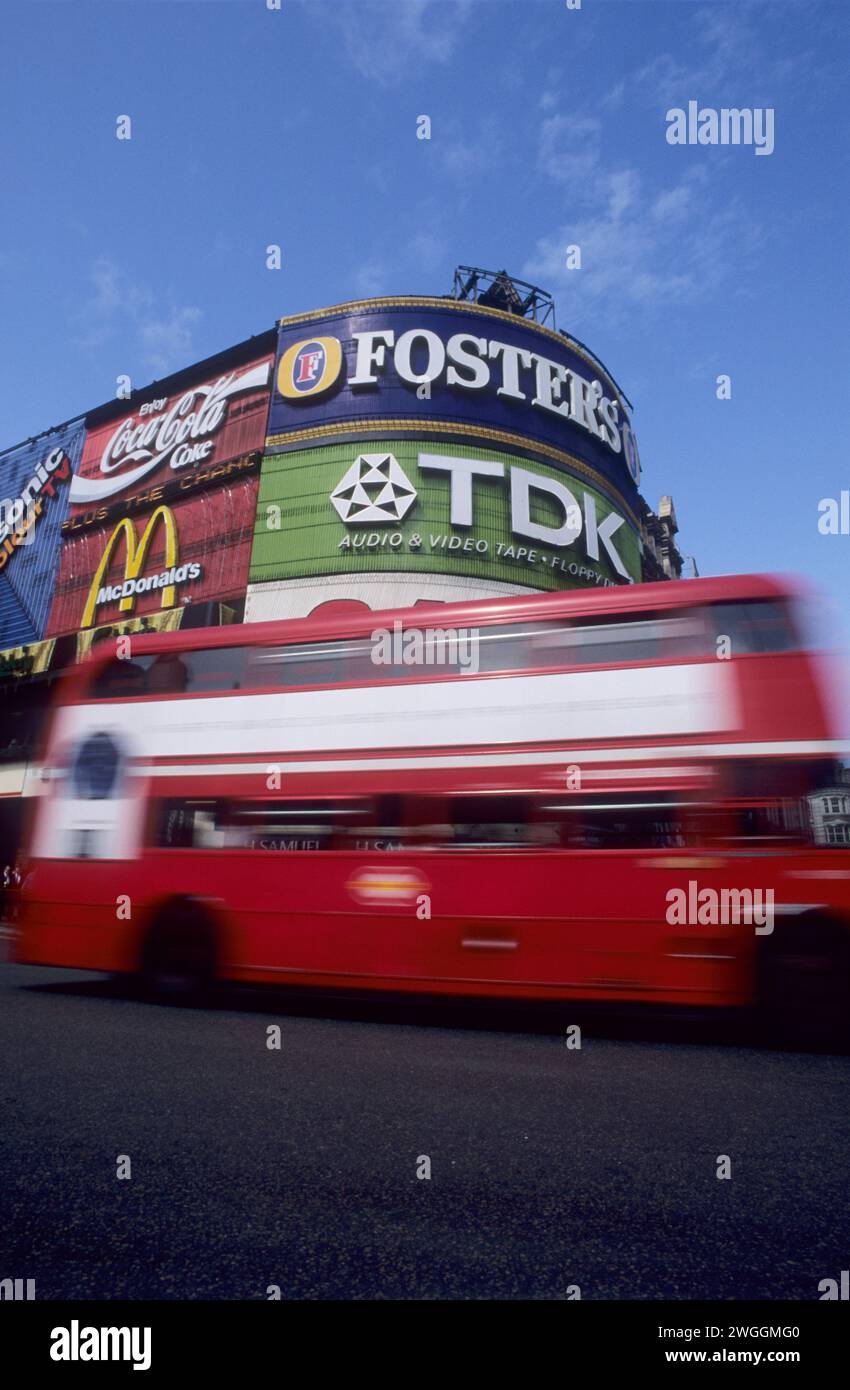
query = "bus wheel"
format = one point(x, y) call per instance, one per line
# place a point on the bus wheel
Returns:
point(804, 982)
point(178, 962)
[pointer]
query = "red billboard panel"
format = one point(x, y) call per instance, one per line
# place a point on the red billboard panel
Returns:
point(165, 553)
point(173, 436)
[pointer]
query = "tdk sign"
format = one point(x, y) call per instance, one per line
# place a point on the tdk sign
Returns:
point(419, 362)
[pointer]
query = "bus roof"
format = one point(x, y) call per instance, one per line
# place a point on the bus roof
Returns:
point(625, 598)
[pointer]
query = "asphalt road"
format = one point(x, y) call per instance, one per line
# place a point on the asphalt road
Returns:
point(549, 1167)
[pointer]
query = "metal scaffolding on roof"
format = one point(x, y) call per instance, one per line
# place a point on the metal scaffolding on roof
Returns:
point(496, 289)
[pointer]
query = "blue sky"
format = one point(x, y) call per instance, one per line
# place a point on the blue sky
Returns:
point(298, 127)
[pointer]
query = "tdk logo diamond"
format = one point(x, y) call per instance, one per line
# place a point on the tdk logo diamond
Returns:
point(375, 488)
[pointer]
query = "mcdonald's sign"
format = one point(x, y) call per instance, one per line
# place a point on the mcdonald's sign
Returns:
point(154, 557)
point(136, 552)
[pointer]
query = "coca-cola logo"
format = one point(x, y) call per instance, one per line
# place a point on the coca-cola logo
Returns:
point(181, 435)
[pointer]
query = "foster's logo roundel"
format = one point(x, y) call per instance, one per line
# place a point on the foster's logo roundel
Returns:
point(308, 367)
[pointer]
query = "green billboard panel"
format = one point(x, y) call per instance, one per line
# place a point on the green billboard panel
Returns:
point(420, 506)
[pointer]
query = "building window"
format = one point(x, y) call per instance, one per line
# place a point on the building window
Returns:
point(838, 834)
point(320, 823)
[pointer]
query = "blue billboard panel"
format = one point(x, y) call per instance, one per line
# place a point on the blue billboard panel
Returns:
point(445, 366)
point(34, 484)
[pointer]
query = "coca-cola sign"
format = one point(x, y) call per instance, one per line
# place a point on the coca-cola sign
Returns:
point(176, 432)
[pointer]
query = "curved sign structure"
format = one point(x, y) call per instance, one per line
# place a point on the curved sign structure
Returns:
point(437, 365)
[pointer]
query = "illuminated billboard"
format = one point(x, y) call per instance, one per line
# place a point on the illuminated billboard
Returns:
point(173, 436)
point(36, 480)
point(160, 554)
point(429, 507)
point(454, 369)
point(162, 507)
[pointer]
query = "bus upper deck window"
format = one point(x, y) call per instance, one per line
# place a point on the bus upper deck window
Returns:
point(297, 664)
point(753, 628)
point(216, 668)
point(121, 679)
point(168, 675)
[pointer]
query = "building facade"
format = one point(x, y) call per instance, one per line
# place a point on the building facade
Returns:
point(431, 449)
point(380, 453)
point(829, 811)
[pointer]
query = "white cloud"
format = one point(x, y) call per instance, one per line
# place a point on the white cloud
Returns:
point(428, 251)
point(465, 151)
point(623, 190)
point(614, 97)
point(729, 57)
point(673, 205)
point(112, 292)
point(136, 319)
point(387, 39)
point(569, 147)
point(168, 340)
point(463, 159)
point(370, 279)
point(648, 241)
point(643, 252)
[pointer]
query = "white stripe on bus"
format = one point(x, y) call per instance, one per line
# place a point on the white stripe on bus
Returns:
point(642, 703)
point(791, 748)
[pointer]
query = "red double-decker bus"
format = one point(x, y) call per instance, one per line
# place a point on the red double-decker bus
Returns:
point(607, 796)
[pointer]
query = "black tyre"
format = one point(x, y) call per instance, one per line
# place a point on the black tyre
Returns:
point(804, 982)
point(179, 955)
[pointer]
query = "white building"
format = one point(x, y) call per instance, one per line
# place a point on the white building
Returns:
point(829, 811)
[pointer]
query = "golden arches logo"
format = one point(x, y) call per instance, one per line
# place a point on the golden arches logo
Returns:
point(136, 555)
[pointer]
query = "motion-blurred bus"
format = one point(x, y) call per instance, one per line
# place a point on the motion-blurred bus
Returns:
point(593, 796)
